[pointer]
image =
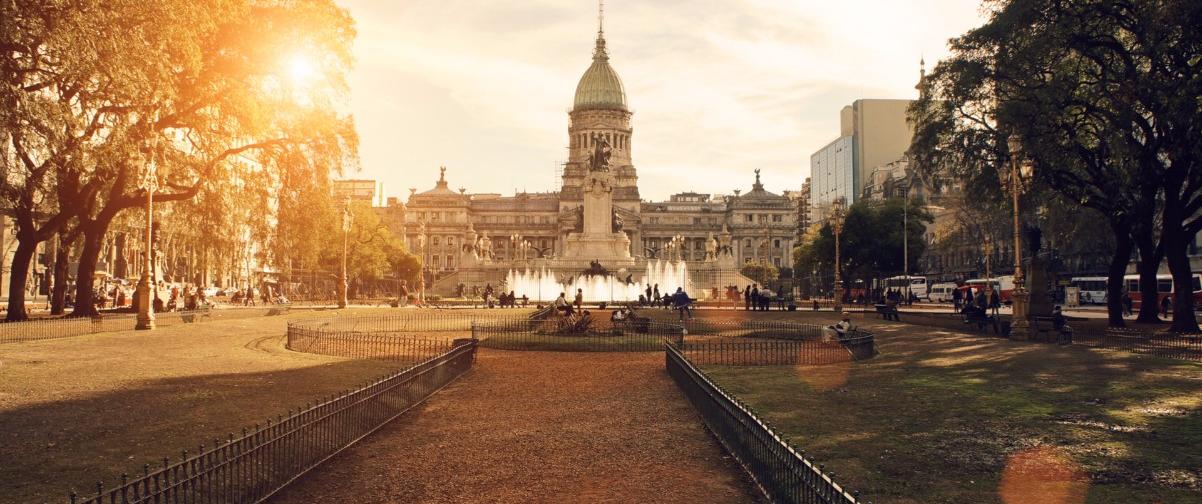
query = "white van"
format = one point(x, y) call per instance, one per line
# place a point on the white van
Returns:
point(942, 292)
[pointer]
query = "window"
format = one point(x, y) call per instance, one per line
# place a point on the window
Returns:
point(747, 243)
point(450, 261)
point(750, 218)
point(696, 221)
point(435, 241)
point(776, 218)
point(776, 244)
point(776, 261)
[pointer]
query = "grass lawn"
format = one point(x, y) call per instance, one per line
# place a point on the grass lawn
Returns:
point(941, 417)
point(78, 409)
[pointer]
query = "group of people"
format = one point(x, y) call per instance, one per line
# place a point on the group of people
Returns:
point(755, 298)
point(965, 301)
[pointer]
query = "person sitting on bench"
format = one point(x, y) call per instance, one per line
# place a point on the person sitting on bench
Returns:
point(838, 331)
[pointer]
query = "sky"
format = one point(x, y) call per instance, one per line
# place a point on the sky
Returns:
point(718, 87)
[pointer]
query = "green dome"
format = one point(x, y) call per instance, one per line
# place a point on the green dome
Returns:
point(600, 87)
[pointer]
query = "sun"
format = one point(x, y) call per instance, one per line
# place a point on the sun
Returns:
point(300, 69)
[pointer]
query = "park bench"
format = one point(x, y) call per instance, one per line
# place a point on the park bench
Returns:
point(1045, 330)
point(888, 312)
point(982, 320)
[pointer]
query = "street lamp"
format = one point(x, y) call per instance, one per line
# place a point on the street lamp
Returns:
point(838, 213)
point(346, 231)
point(1021, 171)
point(987, 248)
point(150, 184)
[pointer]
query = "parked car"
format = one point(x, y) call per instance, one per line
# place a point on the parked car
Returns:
point(942, 292)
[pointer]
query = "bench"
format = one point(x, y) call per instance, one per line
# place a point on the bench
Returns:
point(1044, 327)
point(982, 320)
point(888, 312)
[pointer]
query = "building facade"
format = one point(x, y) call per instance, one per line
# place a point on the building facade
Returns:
point(762, 225)
point(872, 133)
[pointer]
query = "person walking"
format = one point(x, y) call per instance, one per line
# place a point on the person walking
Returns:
point(1128, 305)
point(957, 296)
point(579, 299)
point(755, 296)
point(681, 302)
point(403, 294)
point(655, 295)
point(747, 298)
point(648, 292)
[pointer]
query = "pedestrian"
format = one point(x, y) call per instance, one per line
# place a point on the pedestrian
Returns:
point(655, 295)
point(579, 299)
point(995, 301)
point(981, 301)
point(403, 294)
point(755, 296)
point(957, 295)
point(747, 298)
point(681, 301)
point(1128, 305)
point(1166, 304)
point(647, 299)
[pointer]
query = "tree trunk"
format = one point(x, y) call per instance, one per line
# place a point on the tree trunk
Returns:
point(62, 267)
point(93, 236)
point(1114, 281)
point(19, 278)
point(1149, 262)
point(1175, 240)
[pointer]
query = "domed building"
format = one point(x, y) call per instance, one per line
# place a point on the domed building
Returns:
point(480, 236)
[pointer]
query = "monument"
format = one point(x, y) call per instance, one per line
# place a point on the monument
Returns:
point(601, 237)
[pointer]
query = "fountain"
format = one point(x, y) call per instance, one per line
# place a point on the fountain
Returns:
point(545, 285)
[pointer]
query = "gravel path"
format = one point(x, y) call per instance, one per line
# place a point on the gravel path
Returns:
point(539, 427)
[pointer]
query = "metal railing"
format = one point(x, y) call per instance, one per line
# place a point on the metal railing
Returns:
point(66, 327)
point(257, 464)
point(1168, 345)
point(752, 329)
point(784, 352)
point(561, 333)
point(780, 472)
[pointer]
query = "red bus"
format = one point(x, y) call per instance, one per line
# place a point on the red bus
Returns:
point(1003, 284)
point(1164, 289)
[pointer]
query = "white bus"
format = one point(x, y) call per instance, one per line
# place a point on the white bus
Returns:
point(917, 285)
point(1093, 289)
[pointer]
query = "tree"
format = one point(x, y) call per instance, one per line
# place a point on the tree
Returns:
point(1094, 91)
point(96, 91)
point(873, 240)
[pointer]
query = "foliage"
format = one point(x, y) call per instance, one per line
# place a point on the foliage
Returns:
point(760, 272)
point(1102, 95)
point(200, 89)
point(372, 250)
point(871, 244)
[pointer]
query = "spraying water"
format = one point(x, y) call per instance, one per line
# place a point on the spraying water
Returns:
point(543, 284)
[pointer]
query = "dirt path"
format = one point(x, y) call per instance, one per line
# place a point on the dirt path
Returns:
point(539, 427)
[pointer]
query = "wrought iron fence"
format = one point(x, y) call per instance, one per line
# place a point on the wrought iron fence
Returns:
point(362, 344)
point(65, 327)
point(858, 345)
point(575, 333)
point(1169, 345)
point(257, 464)
point(780, 472)
point(752, 329)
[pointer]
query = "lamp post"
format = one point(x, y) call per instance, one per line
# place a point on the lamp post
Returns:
point(1020, 172)
point(150, 184)
point(838, 213)
point(987, 248)
point(906, 241)
point(346, 231)
point(421, 248)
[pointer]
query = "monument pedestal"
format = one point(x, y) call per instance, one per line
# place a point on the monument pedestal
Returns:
point(612, 250)
point(1020, 328)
